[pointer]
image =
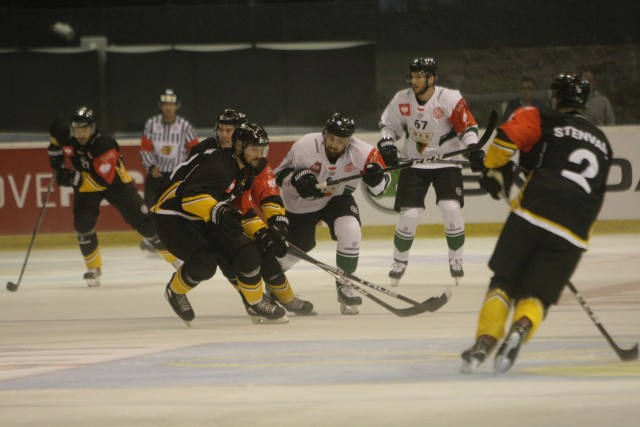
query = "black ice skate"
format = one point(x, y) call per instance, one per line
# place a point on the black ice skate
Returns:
point(477, 354)
point(266, 311)
point(397, 271)
point(296, 306)
point(455, 268)
point(506, 356)
point(180, 305)
point(348, 299)
point(92, 276)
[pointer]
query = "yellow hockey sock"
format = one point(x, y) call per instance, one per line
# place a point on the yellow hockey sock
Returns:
point(178, 284)
point(252, 292)
point(531, 308)
point(494, 314)
point(283, 292)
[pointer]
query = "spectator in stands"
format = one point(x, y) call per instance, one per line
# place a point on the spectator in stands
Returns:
point(526, 98)
point(599, 110)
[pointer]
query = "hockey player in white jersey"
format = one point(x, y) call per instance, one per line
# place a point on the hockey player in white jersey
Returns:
point(324, 156)
point(432, 120)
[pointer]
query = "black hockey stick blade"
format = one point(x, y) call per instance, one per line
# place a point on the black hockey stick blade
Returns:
point(493, 119)
point(12, 287)
point(432, 304)
point(625, 354)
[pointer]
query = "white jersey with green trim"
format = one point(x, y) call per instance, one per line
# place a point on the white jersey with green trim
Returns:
point(309, 153)
point(443, 124)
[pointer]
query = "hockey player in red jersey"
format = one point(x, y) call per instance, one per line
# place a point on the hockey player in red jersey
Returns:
point(548, 228)
point(206, 218)
point(98, 174)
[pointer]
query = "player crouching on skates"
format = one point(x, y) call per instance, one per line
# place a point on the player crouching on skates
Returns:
point(332, 154)
point(548, 228)
point(206, 219)
point(98, 174)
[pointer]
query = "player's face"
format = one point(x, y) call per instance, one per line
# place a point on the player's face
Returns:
point(334, 145)
point(82, 134)
point(420, 82)
point(253, 153)
point(169, 110)
point(224, 133)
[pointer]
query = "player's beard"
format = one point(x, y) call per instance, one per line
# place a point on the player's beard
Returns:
point(424, 90)
point(332, 154)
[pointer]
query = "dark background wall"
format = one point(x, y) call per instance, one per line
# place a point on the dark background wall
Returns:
point(483, 47)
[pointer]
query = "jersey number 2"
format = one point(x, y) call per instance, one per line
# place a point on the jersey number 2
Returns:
point(589, 163)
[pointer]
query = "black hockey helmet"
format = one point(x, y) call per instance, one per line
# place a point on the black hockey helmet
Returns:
point(82, 117)
point(250, 134)
point(570, 90)
point(426, 66)
point(169, 96)
point(340, 125)
point(231, 117)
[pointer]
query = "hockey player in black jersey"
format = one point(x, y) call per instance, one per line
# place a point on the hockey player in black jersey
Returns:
point(548, 228)
point(227, 122)
point(98, 174)
point(206, 218)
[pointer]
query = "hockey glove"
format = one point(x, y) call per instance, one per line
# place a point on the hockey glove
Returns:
point(304, 182)
point(388, 151)
point(498, 181)
point(476, 160)
point(271, 242)
point(68, 178)
point(372, 175)
point(228, 218)
point(279, 224)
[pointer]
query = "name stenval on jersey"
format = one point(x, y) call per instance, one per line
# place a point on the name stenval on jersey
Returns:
point(581, 135)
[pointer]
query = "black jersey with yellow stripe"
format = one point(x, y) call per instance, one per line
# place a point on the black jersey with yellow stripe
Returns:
point(565, 190)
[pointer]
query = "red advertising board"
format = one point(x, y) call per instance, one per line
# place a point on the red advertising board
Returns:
point(24, 179)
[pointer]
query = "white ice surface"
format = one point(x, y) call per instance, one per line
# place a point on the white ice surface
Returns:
point(118, 356)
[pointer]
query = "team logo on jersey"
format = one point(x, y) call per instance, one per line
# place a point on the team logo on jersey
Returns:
point(354, 209)
point(459, 191)
point(166, 150)
point(104, 168)
point(405, 109)
point(438, 113)
point(68, 151)
point(349, 167)
point(316, 168)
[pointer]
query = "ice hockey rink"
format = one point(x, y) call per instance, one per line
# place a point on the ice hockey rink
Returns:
point(118, 356)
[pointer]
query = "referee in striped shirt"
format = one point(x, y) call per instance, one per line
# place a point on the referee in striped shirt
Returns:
point(166, 142)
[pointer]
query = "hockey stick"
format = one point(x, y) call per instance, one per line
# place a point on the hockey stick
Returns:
point(432, 304)
point(625, 355)
point(493, 118)
point(12, 287)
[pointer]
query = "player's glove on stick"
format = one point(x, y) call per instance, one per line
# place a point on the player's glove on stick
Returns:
point(388, 151)
point(476, 160)
point(271, 242)
point(498, 181)
point(279, 224)
point(305, 182)
point(372, 175)
point(228, 218)
point(68, 178)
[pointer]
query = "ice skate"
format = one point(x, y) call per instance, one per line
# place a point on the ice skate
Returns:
point(92, 276)
point(506, 356)
point(475, 355)
point(147, 246)
point(180, 305)
point(397, 271)
point(455, 268)
point(296, 306)
point(348, 299)
point(266, 311)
